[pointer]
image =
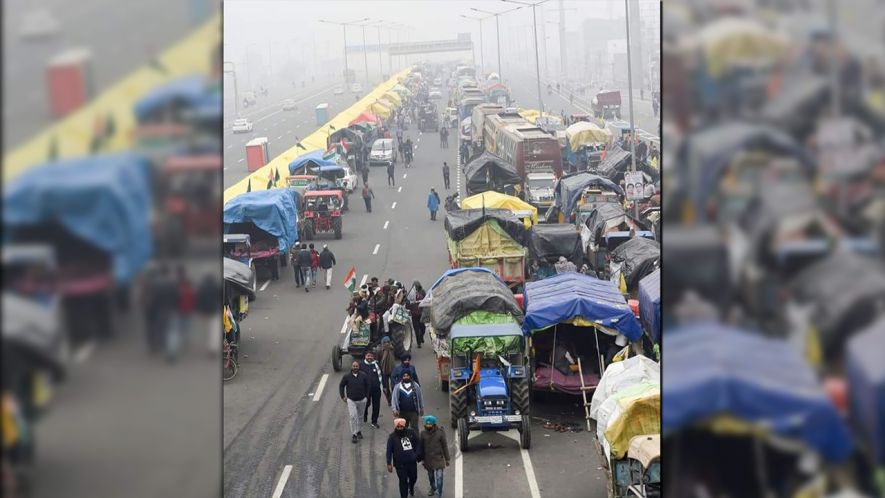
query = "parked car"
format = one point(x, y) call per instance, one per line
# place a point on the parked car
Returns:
point(437, 81)
point(290, 105)
point(356, 88)
point(242, 126)
point(383, 152)
point(435, 93)
point(339, 90)
point(351, 180)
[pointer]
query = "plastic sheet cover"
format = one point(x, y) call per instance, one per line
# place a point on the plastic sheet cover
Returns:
point(549, 242)
point(460, 294)
point(270, 210)
point(632, 411)
point(105, 200)
point(562, 297)
point(634, 259)
point(240, 275)
point(568, 189)
point(460, 224)
point(600, 217)
point(650, 304)
point(191, 91)
point(501, 170)
point(708, 372)
point(309, 160)
point(866, 387)
point(31, 327)
point(621, 375)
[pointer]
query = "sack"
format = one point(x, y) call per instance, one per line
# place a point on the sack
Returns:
point(401, 315)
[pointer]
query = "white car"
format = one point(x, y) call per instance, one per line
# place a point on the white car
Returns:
point(339, 90)
point(356, 88)
point(290, 105)
point(383, 152)
point(350, 180)
point(39, 24)
point(241, 126)
point(437, 81)
point(434, 93)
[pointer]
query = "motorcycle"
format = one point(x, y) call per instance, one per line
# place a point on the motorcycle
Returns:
point(452, 203)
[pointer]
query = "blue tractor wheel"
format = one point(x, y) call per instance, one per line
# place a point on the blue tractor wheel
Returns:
point(463, 433)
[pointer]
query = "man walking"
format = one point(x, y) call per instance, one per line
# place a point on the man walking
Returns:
point(391, 181)
point(407, 401)
point(365, 172)
point(406, 366)
point(354, 388)
point(654, 106)
point(446, 175)
point(314, 265)
point(327, 261)
point(368, 195)
point(435, 451)
point(403, 453)
point(388, 365)
point(433, 203)
point(293, 259)
point(304, 261)
point(372, 369)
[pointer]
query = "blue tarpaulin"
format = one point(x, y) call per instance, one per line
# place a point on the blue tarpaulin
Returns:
point(270, 210)
point(650, 304)
point(712, 369)
point(567, 295)
point(105, 200)
point(191, 90)
point(866, 388)
point(315, 157)
point(569, 188)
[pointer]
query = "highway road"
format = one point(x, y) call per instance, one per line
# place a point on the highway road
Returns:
point(285, 427)
point(120, 36)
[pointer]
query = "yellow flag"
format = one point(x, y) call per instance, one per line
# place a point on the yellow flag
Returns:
point(623, 286)
point(654, 162)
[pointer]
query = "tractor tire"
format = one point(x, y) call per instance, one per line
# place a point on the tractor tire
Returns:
point(284, 260)
point(457, 402)
point(308, 231)
point(463, 433)
point(401, 339)
point(336, 225)
point(519, 396)
point(275, 269)
point(525, 433)
point(336, 358)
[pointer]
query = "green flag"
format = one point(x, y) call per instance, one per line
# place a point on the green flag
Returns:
point(332, 127)
point(110, 126)
point(298, 144)
point(53, 148)
point(276, 176)
point(270, 183)
point(249, 186)
point(157, 66)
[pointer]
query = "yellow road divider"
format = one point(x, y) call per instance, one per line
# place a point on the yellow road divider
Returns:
point(315, 141)
point(71, 136)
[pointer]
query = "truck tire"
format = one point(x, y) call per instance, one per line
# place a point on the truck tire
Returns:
point(519, 396)
point(463, 433)
point(336, 358)
point(401, 339)
point(525, 433)
point(336, 225)
point(457, 402)
point(308, 231)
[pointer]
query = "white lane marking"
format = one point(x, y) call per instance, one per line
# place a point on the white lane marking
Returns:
point(225, 169)
point(405, 175)
point(377, 246)
point(281, 485)
point(241, 160)
point(526, 464)
point(265, 285)
point(290, 131)
point(363, 281)
point(344, 326)
point(84, 352)
point(459, 470)
point(386, 223)
point(393, 206)
point(229, 146)
point(420, 133)
point(279, 137)
point(319, 392)
point(399, 190)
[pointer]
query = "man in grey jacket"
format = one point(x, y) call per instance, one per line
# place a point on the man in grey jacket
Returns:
point(408, 402)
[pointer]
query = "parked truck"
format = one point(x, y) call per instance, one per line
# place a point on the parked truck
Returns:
point(270, 219)
point(490, 238)
point(607, 104)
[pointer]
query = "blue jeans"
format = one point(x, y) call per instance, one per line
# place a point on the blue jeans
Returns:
point(313, 275)
point(436, 480)
point(305, 274)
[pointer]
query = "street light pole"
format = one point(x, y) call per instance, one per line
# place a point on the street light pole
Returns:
point(630, 96)
point(497, 32)
point(344, 26)
point(233, 73)
point(537, 64)
point(482, 66)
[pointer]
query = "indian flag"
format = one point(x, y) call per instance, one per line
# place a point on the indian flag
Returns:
point(350, 280)
point(330, 152)
point(344, 146)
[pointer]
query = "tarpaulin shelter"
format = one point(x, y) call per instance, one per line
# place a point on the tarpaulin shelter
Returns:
point(189, 92)
point(459, 293)
point(364, 116)
point(635, 259)
point(650, 304)
point(379, 109)
point(104, 200)
point(548, 242)
point(239, 276)
point(309, 161)
point(604, 217)
point(394, 98)
point(497, 200)
point(270, 210)
point(579, 299)
point(866, 388)
point(583, 133)
point(714, 370)
point(627, 413)
point(490, 238)
point(488, 167)
point(619, 161)
point(568, 189)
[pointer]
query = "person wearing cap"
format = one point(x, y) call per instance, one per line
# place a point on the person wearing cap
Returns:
point(314, 265)
point(564, 265)
point(388, 364)
point(403, 454)
point(305, 259)
point(433, 203)
point(327, 261)
point(435, 451)
point(407, 401)
point(354, 389)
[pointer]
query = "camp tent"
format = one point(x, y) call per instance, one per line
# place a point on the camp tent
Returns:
point(394, 97)
point(380, 109)
point(364, 116)
point(309, 161)
point(493, 199)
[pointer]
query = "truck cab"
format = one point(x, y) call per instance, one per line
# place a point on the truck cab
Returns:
point(539, 187)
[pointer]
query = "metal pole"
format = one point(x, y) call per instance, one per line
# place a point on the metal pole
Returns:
point(380, 60)
point(482, 66)
point(498, 33)
point(562, 50)
point(366, 59)
point(834, 63)
point(537, 64)
point(269, 65)
point(346, 69)
point(630, 93)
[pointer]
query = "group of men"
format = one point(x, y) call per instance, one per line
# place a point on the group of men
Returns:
point(306, 262)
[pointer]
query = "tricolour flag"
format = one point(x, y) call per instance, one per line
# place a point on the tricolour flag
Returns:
point(350, 280)
point(330, 152)
point(344, 146)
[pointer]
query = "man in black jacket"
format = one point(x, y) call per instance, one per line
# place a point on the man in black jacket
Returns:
point(354, 388)
point(372, 369)
point(304, 260)
point(327, 261)
point(404, 453)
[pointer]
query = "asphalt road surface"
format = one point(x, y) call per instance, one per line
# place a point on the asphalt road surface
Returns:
point(285, 427)
point(120, 36)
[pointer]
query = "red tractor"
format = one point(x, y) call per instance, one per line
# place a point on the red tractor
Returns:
point(188, 203)
point(322, 213)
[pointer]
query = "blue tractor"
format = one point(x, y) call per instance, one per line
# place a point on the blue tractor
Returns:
point(489, 379)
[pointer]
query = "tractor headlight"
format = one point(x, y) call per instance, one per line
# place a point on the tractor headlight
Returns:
point(517, 372)
point(516, 412)
point(472, 414)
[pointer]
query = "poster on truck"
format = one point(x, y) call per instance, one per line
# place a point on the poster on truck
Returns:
point(634, 186)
